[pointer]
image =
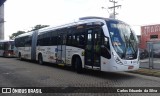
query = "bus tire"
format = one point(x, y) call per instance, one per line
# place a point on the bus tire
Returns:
point(40, 59)
point(78, 65)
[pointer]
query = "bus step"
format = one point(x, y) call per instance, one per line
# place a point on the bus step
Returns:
point(96, 68)
point(90, 67)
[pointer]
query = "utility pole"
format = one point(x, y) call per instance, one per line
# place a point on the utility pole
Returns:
point(114, 7)
point(1, 21)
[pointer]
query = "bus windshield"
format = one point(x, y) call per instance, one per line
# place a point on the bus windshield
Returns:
point(123, 39)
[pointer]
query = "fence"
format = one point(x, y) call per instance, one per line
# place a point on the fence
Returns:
point(150, 57)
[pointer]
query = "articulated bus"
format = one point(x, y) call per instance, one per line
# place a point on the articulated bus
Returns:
point(91, 43)
point(7, 48)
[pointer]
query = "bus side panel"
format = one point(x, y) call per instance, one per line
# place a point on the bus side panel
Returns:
point(105, 64)
point(71, 51)
point(20, 50)
point(48, 53)
point(28, 53)
point(68, 55)
point(25, 52)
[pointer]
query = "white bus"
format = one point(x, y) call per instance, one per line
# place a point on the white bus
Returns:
point(91, 43)
point(7, 48)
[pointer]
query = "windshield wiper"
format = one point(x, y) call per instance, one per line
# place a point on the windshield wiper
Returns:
point(126, 44)
point(132, 48)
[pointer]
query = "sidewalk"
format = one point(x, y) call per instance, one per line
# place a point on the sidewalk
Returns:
point(149, 72)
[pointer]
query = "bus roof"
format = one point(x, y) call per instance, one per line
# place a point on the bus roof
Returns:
point(25, 34)
point(81, 20)
point(6, 40)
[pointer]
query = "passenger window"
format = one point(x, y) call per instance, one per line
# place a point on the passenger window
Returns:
point(69, 40)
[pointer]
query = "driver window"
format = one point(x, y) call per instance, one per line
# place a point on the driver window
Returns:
point(105, 48)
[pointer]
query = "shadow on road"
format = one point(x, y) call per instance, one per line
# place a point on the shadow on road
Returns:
point(109, 75)
point(95, 73)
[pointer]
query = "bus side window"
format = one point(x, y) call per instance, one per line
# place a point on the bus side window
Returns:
point(81, 40)
point(53, 40)
point(74, 40)
point(1, 46)
point(28, 41)
point(78, 40)
point(69, 40)
point(64, 40)
point(39, 41)
point(21, 42)
point(58, 40)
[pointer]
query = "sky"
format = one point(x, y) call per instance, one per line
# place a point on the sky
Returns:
point(23, 15)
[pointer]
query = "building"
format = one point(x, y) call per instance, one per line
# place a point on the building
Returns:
point(149, 33)
point(2, 19)
point(150, 40)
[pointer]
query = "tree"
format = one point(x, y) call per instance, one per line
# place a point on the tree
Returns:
point(39, 27)
point(12, 37)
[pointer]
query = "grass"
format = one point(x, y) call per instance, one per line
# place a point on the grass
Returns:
point(149, 72)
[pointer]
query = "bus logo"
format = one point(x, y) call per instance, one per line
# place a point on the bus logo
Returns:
point(6, 90)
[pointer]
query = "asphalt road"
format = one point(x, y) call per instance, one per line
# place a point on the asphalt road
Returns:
point(16, 73)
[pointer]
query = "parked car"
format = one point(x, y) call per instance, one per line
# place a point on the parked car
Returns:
point(156, 53)
point(143, 53)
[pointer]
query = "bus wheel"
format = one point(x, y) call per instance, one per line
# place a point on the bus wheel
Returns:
point(40, 59)
point(78, 65)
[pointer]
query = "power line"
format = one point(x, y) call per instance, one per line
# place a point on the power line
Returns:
point(114, 7)
point(106, 9)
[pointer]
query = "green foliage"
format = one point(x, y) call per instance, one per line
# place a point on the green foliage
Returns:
point(12, 37)
point(39, 27)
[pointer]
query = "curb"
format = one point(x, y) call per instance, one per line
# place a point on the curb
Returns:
point(148, 72)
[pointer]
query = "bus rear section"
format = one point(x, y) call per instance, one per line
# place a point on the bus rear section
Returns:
point(7, 48)
point(25, 45)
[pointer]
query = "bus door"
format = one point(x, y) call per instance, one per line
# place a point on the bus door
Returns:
point(61, 49)
point(92, 50)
